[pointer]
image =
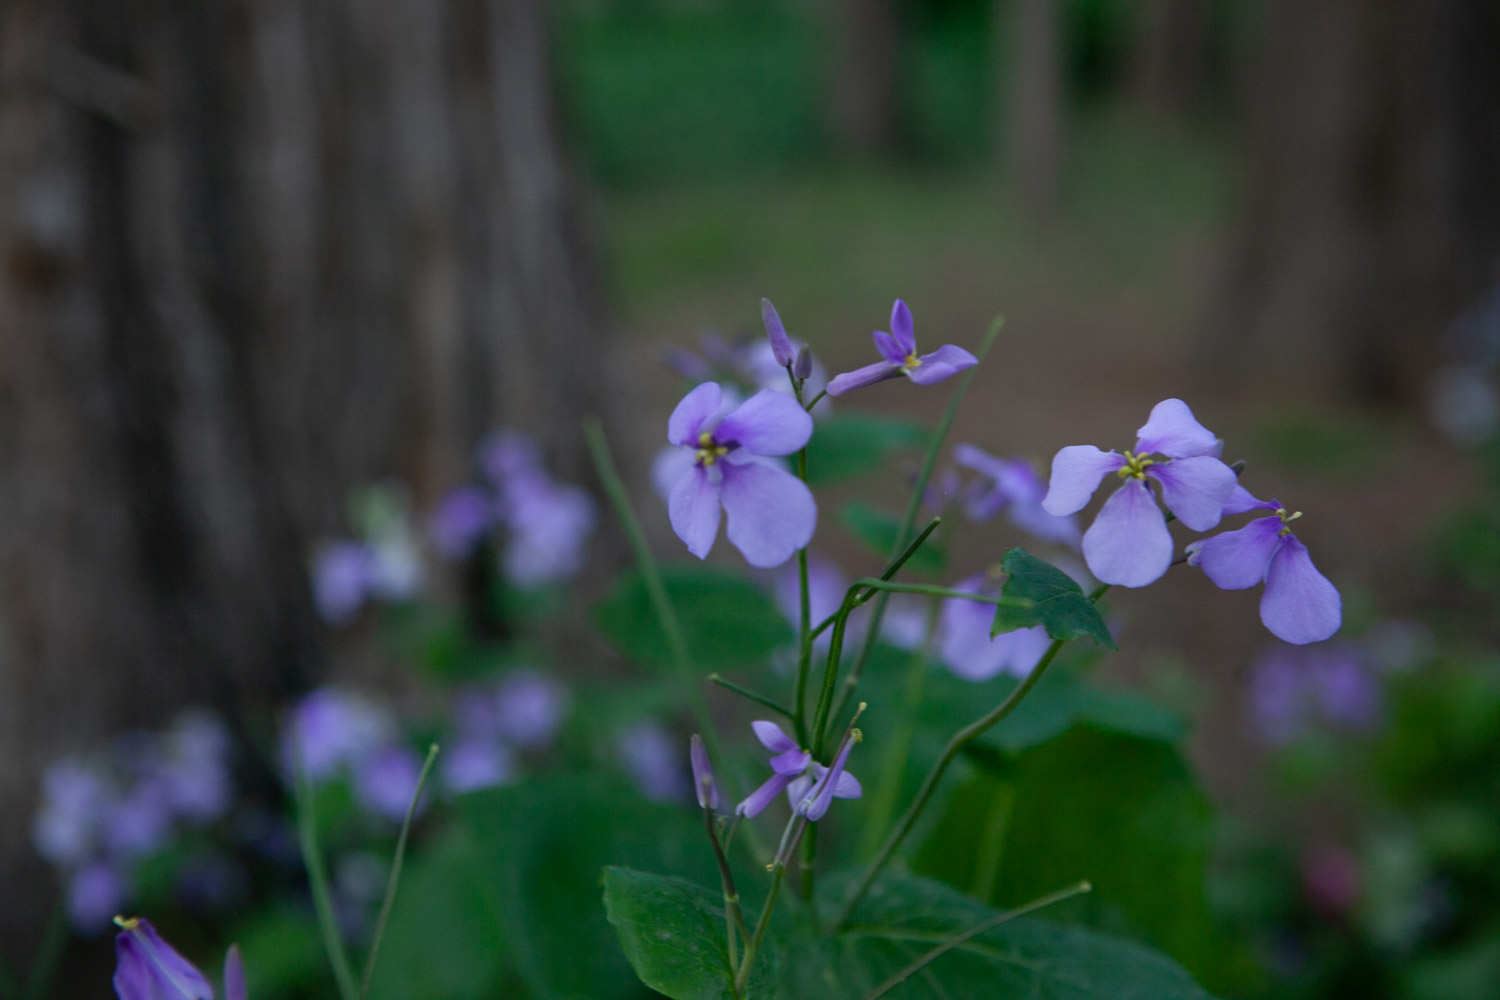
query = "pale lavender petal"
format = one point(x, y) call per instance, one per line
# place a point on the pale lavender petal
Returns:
point(1077, 471)
point(234, 975)
point(1128, 544)
point(771, 512)
point(791, 762)
point(1195, 489)
point(693, 508)
point(1242, 501)
point(942, 363)
point(797, 790)
point(1022, 649)
point(772, 736)
point(964, 642)
point(668, 468)
point(148, 968)
point(1238, 559)
point(1299, 605)
point(689, 416)
point(1172, 430)
point(781, 344)
point(703, 775)
point(764, 795)
point(847, 786)
point(768, 423)
point(902, 328)
point(889, 347)
point(474, 763)
point(861, 377)
point(815, 804)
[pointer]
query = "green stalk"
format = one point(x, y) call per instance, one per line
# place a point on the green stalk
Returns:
point(396, 862)
point(754, 696)
point(317, 877)
point(891, 569)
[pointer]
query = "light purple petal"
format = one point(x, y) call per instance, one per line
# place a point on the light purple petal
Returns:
point(689, 416)
point(1172, 430)
point(1299, 605)
point(815, 804)
point(799, 787)
point(942, 363)
point(148, 968)
point(847, 786)
point(668, 468)
point(1128, 544)
point(791, 762)
point(1238, 559)
point(763, 796)
point(772, 513)
point(1076, 473)
point(861, 377)
point(889, 347)
point(781, 344)
point(1241, 501)
point(1195, 489)
point(234, 975)
point(693, 508)
point(703, 775)
point(1022, 649)
point(772, 736)
point(768, 423)
point(902, 328)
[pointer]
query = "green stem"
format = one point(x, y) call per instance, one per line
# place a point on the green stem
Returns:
point(890, 570)
point(396, 862)
point(1076, 889)
point(814, 401)
point(317, 877)
point(754, 696)
point(830, 673)
point(933, 591)
point(734, 920)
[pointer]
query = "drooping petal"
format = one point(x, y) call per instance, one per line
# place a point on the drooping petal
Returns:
point(1235, 560)
point(1128, 544)
point(1195, 489)
point(861, 377)
point(1172, 430)
point(847, 786)
point(889, 347)
point(234, 975)
point(772, 736)
point(772, 513)
point(1242, 501)
point(781, 344)
point(791, 762)
point(815, 804)
point(902, 328)
point(942, 363)
point(1076, 473)
point(148, 968)
point(692, 412)
point(768, 423)
point(1299, 605)
point(693, 509)
point(703, 775)
point(764, 795)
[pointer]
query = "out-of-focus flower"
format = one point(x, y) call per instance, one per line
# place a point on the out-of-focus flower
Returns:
point(474, 763)
point(148, 968)
point(529, 708)
point(826, 586)
point(95, 893)
point(386, 780)
point(460, 522)
point(1330, 878)
point(965, 645)
point(771, 512)
point(342, 577)
point(648, 754)
point(550, 527)
point(139, 822)
point(1464, 403)
point(74, 799)
point(330, 729)
point(1299, 604)
point(1128, 544)
point(794, 771)
point(1012, 485)
point(194, 769)
point(1294, 688)
point(703, 775)
point(899, 351)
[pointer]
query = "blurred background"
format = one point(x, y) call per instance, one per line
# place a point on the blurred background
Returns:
point(260, 254)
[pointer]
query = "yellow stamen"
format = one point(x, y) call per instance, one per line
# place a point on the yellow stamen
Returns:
point(1135, 466)
point(912, 361)
point(127, 923)
point(709, 452)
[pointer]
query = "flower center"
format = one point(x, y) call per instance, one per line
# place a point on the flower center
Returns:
point(912, 361)
point(1135, 466)
point(1287, 519)
point(709, 451)
point(127, 923)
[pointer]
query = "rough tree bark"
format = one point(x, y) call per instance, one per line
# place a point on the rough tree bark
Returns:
point(252, 254)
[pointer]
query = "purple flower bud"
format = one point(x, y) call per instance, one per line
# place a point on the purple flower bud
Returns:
point(781, 344)
point(802, 368)
point(234, 975)
point(703, 775)
point(148, 968)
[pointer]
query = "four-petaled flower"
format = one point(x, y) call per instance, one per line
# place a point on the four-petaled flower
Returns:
point(1299, 604)
point(899, 348)
point(810, 786)
point(1129, 544)
point(771, 512)
point(148, 968)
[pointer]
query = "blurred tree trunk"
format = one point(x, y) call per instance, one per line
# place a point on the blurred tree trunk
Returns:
point(1167, 59)
point(252, 255)
point(1036, 111)
point(864, 114)
point(1374, 145)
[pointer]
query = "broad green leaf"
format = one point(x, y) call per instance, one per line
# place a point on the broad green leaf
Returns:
point(672, 931)
point(878, 529)
point(846, 445)
point(727, 621)
point(1058, 603)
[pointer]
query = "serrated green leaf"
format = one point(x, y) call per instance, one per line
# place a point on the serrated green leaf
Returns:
point(878, 530)
point(846, 445)
point(1058, 603)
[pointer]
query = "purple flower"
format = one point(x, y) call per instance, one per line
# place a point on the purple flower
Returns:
point(771, 512)
point(342, 578)
point(781, 344)
point(140, 822)
point(1129, 544)
point(1292, 688)
point(965, 645)
point(385, 781)
point(529, 708)
point(74, 800)
point(1014, 487)
point(899, 349)
point(474, 763)
point(1299, 605)
point(330, 729)
point(461, 522)
point(507, 453)
point(234, 975)
point(94, 894)
point(653, 762)
point(550, 525)
point(794, 771)
point(703, 775)
point(148, 968)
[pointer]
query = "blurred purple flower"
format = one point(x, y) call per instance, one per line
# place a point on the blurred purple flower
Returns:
point(1331, 879)
point(95, 893)
point(469, 764)
point(794, 771)
point(648, 754)
point(194, 769)
point(899, 351)
point(965, 645)
point(140, 822)
point(1012, 485)
point(74, 799)
point(461, 521)
point(530, 706)
point(703, 775)
point(342, 577)
point(505, 454)
point(1128, 544)
point(826, 586)
point(549, 526)
point(1293, 688)
point(148, 968)
point(386, 780)
point(331, 729)
point(772, 513)
point(714, 357)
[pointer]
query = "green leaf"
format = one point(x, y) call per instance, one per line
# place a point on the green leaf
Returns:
point(846, 445)
point(878, 530)
point(1058, 603)
point(727, 621)
point(672, 931)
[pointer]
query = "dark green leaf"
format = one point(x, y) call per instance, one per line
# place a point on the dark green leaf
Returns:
point(1058, 603)
point(850, 444)
point(878, 529)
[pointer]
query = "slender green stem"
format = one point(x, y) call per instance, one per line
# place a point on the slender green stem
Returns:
point(734, 919)
point(830, 673)
point(1076, 889)
point(317, 877)
point(754, 696)
point(395, 879)
point(924, 475)
point(48, 955)
point(814, 401)
point(890, 570)
point(932, 591)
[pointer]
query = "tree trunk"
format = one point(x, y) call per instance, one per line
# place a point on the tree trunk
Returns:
point(863, 110)
point(254, 254)
point(1036, 112)
point(1167, 67)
